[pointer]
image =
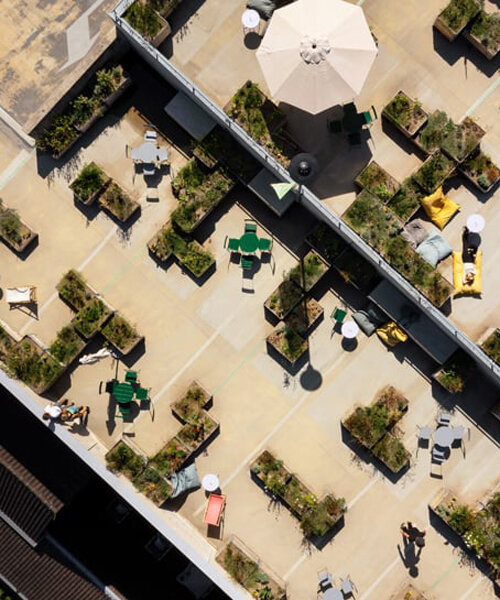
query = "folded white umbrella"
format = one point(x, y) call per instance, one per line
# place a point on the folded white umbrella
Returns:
point(317, 53)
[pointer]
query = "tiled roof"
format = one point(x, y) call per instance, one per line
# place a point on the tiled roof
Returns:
point(38, 575)
point(24, 499)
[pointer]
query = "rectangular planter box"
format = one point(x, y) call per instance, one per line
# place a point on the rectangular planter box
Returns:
point(28, 236)
point(85, 291)
point(124, 459)
point(153, 245)
point(460, 366)
point(418, 116)
point(195, 435)
point(171, 457)
point(445, 173)
point(131, 205)
point(386, 187)
point(90, 200)
point(450, 34)
point(60, 347)
point(106, 314)
point(153, 485)
point(93, 119)
point(477, 134)
point(486, 51)
point(132, 342)
point(113, 97)
point(326, 242)
point(474, 178)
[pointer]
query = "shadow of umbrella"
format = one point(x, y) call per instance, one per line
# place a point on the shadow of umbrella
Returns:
point(311, 379)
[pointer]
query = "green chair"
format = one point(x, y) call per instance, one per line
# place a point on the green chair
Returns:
point(124, 410)
point(232, 244)
point(250, 227)
point(246, 263)
point(131, 376)
point(141, 393)
point(265, 245)
point(338, 315)
point(335, 126)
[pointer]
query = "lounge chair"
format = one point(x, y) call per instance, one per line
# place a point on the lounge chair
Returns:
point(458, 271)
point(20, 295)
point(215, 509)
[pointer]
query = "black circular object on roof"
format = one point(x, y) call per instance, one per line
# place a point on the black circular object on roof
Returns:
point(303, 168)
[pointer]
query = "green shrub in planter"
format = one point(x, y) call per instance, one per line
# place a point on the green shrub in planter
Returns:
point(377, 181)
point(89, 182)
point(309, 271)
point(153, 485)
point(492, 346)
point(58, 137)
point(83, 108)
point(27, 362)
point(486, 29)
point(391, 451)
point(433, 172)
point(67, 345)
point(120, 333)
point(437, 127)
point(144, 19)
point(406, 201)
point(482, 170)
point(462, 139)
point(322, 516)
point(122, 459)
point(458, 13)
point(90, 318)
point(74, 290)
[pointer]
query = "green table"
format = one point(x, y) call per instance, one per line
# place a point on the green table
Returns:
point(122, 392)
point(249, 242)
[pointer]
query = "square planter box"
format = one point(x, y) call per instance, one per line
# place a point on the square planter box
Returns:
point(197, 433)
point(158, 248)
point(305, 316)
point(463, 140)
point(196, 259)
point(124, 459)
point(309, 271)
point(171, 457)
point(289, 344)
point(153, 485)
point(162, 30)
point(405, 114)
point(123, 336)
point(406, 202)
point(326, 242)
point(270, 472)
point(74, 290)
point(238, 560)
point(67, 345)
point(284, 299)
point(392, 453)
point(481, 171)
point(481, 43)
point(89, 200)
point(449, 31)
point(377, 181)
point(116, 202)
point(453, 375)
point(429, 137)
point(91, 318)
point(191, 403)
point(24, 232)
point(435, 170)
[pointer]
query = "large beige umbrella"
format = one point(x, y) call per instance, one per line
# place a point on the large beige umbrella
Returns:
point(317, 53)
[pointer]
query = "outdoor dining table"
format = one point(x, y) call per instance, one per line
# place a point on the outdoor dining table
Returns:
point(443, 437)
point(332, 594)
point(122, 392)
point(249, 242)
point(149, 152)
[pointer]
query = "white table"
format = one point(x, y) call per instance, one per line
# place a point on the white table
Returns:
point(475, 223)
point(443, 437)
point(332, 594)
point(250, 19)
point(349, 329)
point(149, 153)
point(210, 482)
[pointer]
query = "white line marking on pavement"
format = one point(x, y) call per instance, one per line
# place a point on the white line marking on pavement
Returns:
point(379, 578)
point(16, 128)
point(13, 167)
point(481, 99)
point(472, 588)
point(82, 266)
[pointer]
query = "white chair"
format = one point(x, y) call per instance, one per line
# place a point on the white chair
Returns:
point(347, 586)
point(324, 579)
point(150, 135)
point(148, 169)
point(437, 455)
point(444, 419)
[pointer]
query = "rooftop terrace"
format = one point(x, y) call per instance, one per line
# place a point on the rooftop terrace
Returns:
point(214, 331)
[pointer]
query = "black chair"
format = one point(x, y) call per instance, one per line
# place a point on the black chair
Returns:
point(354, 139)
point(350, 109)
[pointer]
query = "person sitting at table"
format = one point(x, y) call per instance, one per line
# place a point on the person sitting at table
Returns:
point(72, 412)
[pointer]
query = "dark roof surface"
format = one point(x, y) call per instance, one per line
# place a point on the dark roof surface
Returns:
point(37, 574)
point(24, 499)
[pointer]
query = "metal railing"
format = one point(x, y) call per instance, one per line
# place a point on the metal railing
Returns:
point(307, 198)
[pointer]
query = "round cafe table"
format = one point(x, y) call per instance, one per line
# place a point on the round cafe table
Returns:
point(332, 594)
point(475, 223)
point(349, 329)
point(443, 437)
point(249, 243)
point(250, 19)
point(210, 482)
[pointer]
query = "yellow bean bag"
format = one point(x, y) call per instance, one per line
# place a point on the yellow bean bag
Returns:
point(458, 274)
point(391, 334)
point(439, 208)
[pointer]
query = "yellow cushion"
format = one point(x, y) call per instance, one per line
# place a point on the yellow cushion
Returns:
point(439, 208)
point(391, 334)
point(458, 273)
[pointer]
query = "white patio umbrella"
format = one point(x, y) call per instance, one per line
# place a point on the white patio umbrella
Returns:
point(317, 53)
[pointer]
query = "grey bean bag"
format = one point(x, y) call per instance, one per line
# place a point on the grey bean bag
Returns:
point(415, 232)
point(184, 480)
point(370, 318)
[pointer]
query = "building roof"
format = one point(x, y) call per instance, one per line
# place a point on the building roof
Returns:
point(37, 574)
point(24, 500)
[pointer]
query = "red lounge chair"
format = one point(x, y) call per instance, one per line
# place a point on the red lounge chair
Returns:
point(215, 509)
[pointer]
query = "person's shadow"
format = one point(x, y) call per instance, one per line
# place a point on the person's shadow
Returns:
point(409, 557)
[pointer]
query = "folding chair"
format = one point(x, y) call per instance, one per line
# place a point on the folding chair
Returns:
point(437, 455)
point(131, 376)
point(347, 586)
point(148, 169)
point(338, 314)
point(246, 263)
point(324, 580)
point(150, 135)
point(265, 245)
point(232, 244)
point(141, 393)
point(124, 410)
point(214, 510)
point(250, 227)
point(444, 419)
point(424, 436)
point(335, 126)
